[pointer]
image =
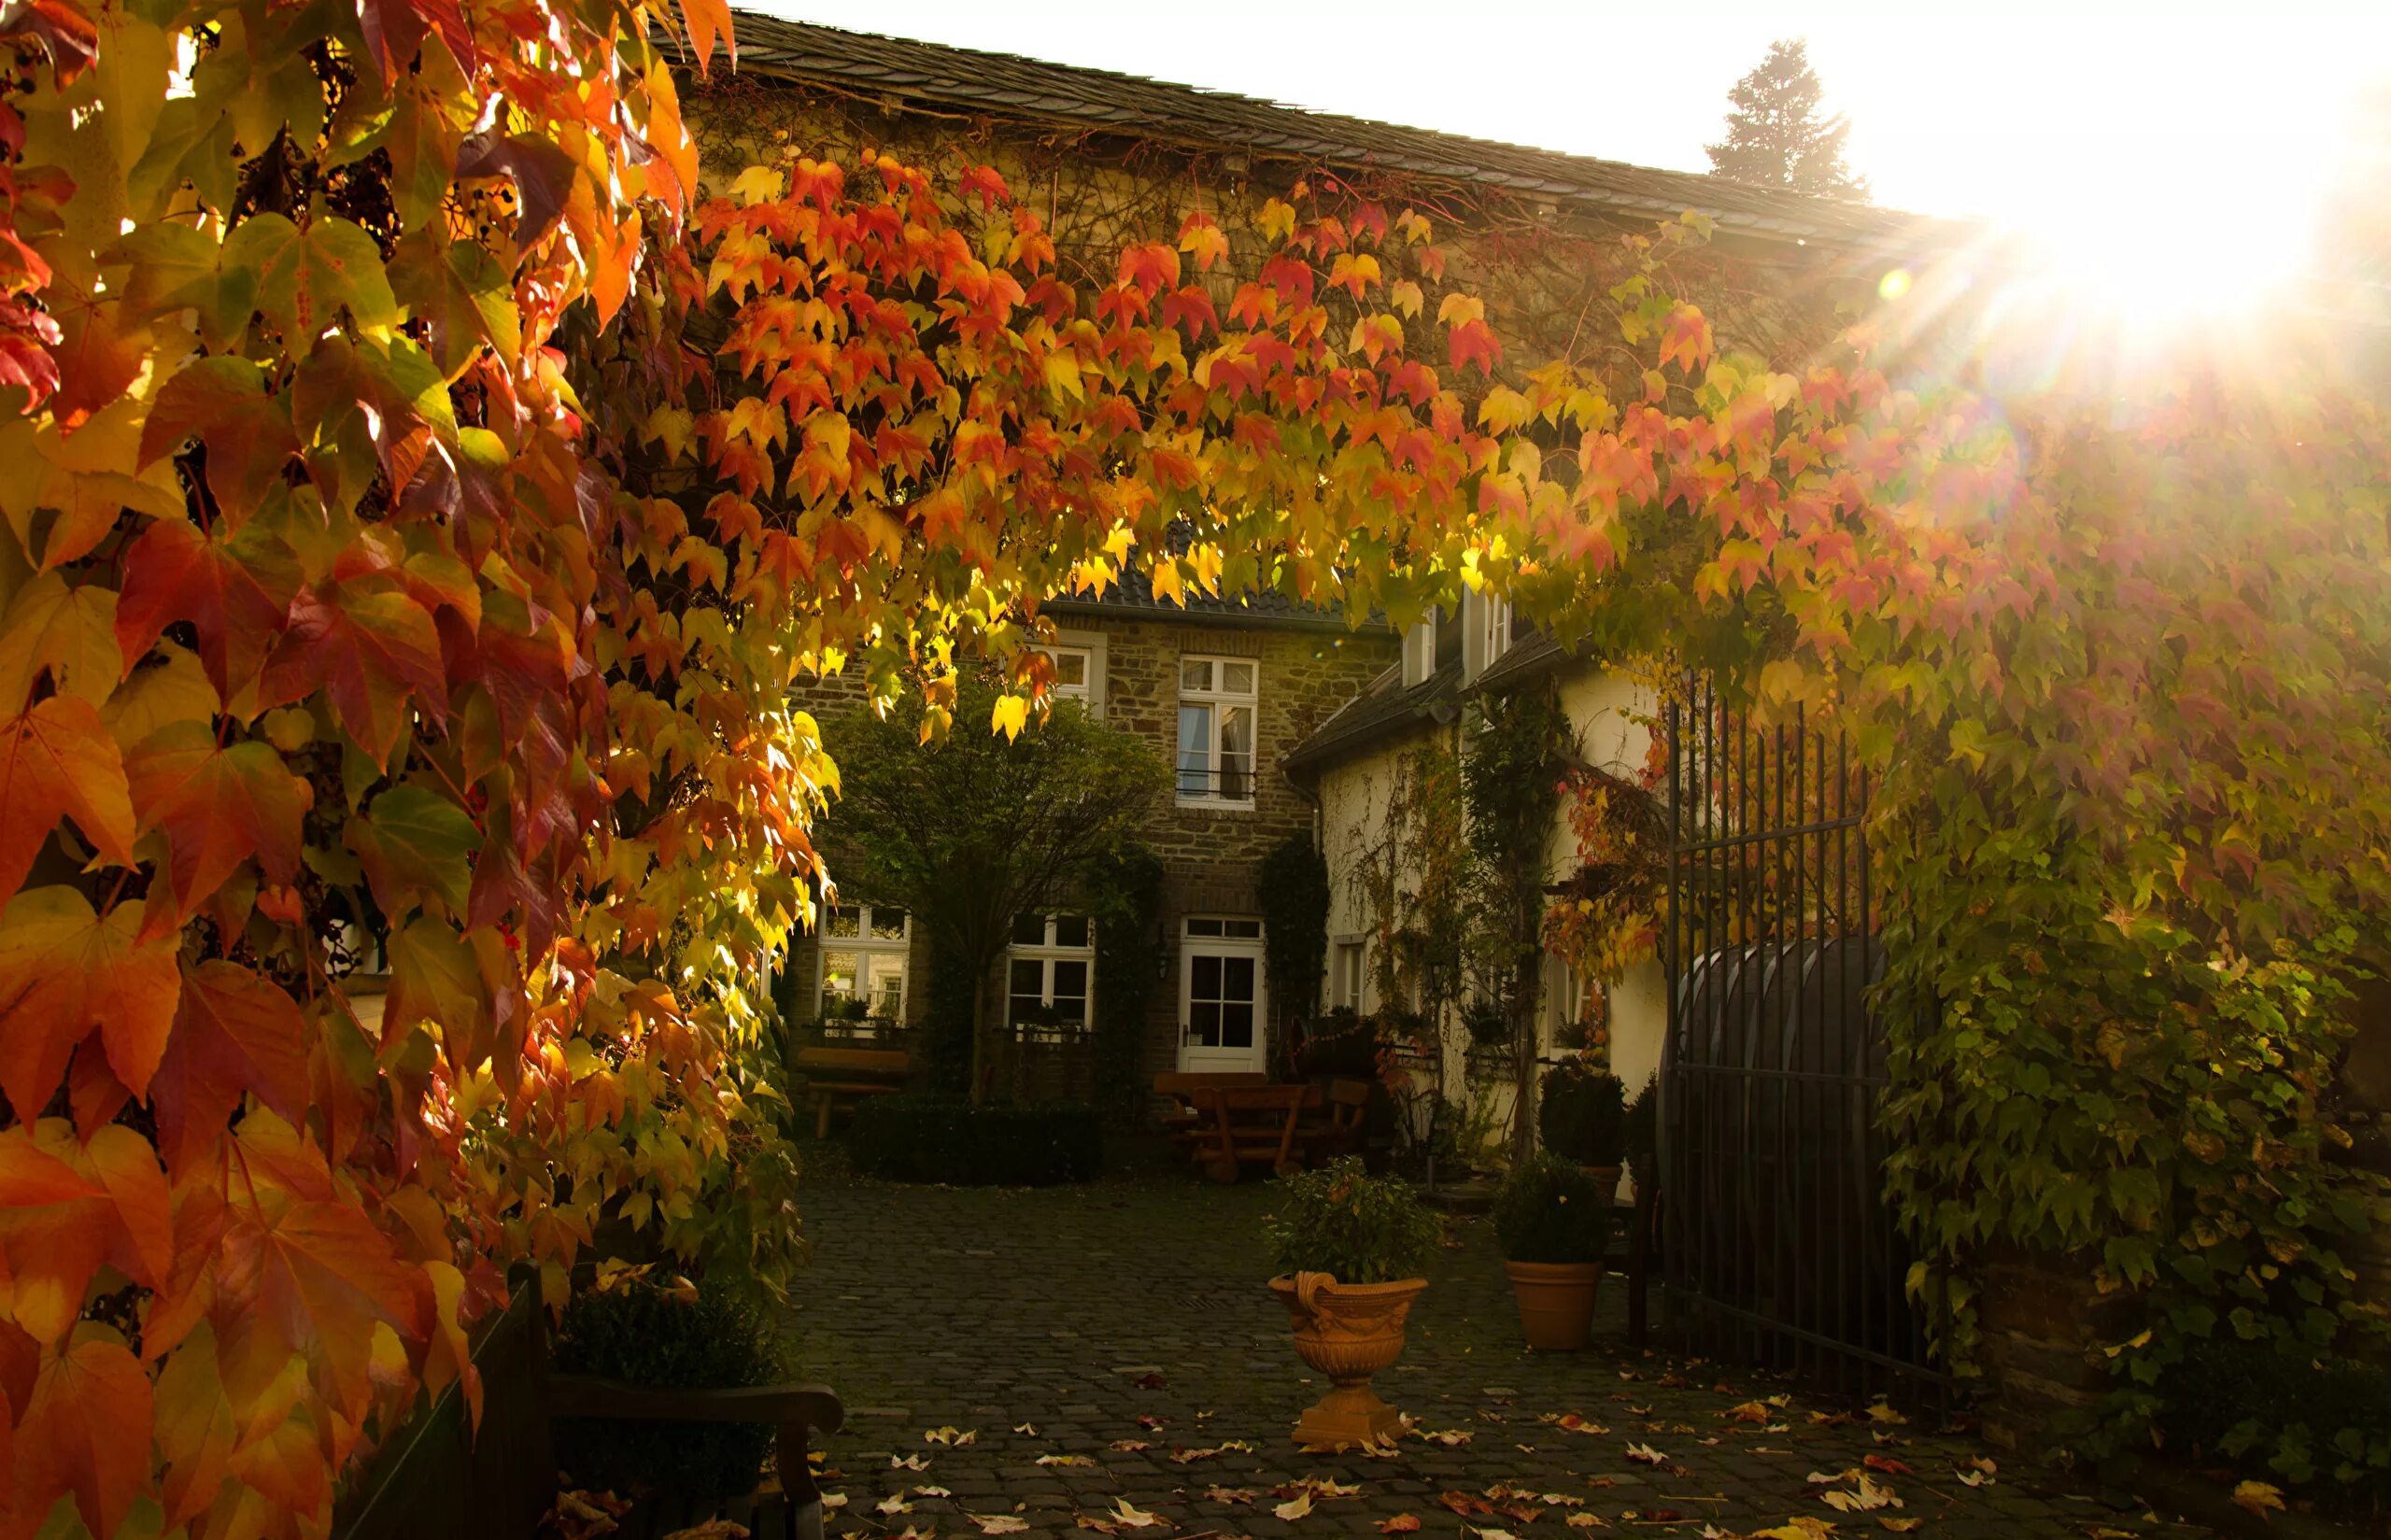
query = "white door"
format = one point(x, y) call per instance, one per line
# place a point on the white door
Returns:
point(1222, 998)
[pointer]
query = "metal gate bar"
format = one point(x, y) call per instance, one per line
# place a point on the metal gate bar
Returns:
point(1778, 1248)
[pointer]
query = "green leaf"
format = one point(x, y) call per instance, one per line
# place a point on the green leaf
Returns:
point(305, 278)
point(463, 293)
point(416, 846)
point(434, 977)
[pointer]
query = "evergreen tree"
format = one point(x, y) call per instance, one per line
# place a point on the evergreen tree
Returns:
point(1775, 136)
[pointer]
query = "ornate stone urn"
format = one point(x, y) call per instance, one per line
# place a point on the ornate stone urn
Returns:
point(1347, 1332)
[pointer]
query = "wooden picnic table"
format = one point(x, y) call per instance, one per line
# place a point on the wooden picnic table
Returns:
point(1241, 1123)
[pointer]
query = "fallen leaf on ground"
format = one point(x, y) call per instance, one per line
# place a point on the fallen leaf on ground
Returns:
point(997, 1523)
point(952, 1437)
point(1129, 1445)
point(1230, 1494)
point(1151, 1382)
point(1888, 1465)
point(1750, 1411)
point(586, 1514)
point(1295, 1507)
point(932, 1492)
point(1450, 1438)
point(909, 1462)
point(1152, 1424)
point(1799, 1527)
point(2257, 1497)
point(1402, 1523)
point(1866, 1496)
point(1879, 1412)
point(1646, 1454)
point(893, 1504)
point(1572, 1422)
point(1029, 1428)
point(1900, 1526)
point(1064, 1459)
point(1585, 1521)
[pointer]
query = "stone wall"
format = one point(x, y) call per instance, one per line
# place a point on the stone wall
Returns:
point(1211, 856)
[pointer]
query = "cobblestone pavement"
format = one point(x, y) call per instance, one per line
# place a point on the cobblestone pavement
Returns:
point(1124, 1324)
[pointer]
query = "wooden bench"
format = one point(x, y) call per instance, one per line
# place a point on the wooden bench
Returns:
point(840, 1076)
point(438, 1475)
point(1186, 1120)
point(1339, 1131)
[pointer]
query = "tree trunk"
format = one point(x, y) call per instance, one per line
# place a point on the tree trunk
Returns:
point(980, 1033)
point(1526, 980)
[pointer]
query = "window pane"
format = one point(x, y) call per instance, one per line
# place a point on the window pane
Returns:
point(1237, 753)
point(1237, 1026)
point(887, 924)
point(1203, 927)
point(1204, 979)
point(1030, 930)
point(1204, 1025)
point(1237, 979)
point(1195, 674)
point(838, 974)
point(1028, 977)
point(1070, 668)
point(845, 922)
point(1237, 678)
point(1194, 750)
point(1070, 930)
point(1251, 928)
point(887, 994)
point(1071, 978)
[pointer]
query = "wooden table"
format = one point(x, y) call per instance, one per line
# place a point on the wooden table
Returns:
point(1250, 1122)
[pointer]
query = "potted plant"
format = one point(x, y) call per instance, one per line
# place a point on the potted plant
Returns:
point(1582, 1116)
point(1552, 1221)
point(1640, 1141)
point(1349, 1249)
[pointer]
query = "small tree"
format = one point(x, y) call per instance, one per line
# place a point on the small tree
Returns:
point(1775, 136)
point(971, 830)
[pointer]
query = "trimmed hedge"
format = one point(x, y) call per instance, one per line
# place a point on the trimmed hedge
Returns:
point(1002, 1144)
point(647, 1336)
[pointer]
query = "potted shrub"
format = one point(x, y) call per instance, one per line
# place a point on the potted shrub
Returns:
point(1582, 1116)
point(1552, 1221)
point(1349, 1249)
point(1640, 1141)
point(680, 1338)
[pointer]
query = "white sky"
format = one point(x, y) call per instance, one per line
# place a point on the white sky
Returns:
point(2174, 122)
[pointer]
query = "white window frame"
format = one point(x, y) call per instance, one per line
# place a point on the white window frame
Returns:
point(1221, 700)
point(866, 947)
point(1347, 972)
point(1046, 954)
point(1420, 652)
point(1089, 645)
point(1486, 633)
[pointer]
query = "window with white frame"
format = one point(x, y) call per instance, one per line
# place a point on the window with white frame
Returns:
point(864, 950)
point(1345, 976)
point(1486, 635)
point(1048, 972)
point(1419, 651)
point(1073, 667)
point(1578, 1004)
point(1217, 702)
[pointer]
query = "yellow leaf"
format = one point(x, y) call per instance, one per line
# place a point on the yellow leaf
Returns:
point(2257, 1496)
point(69, 631)
point(757, 185)
point(1011, 716)
point(1405, 296)
point(1063, 375)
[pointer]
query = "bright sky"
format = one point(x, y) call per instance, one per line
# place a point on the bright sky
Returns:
point(2191, 122)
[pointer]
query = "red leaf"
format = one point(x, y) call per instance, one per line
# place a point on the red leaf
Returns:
point(58, 760)
point(247, 433)
point(373, 646)
point(541, 172)
point(235, 593)
point(235, 1033)
point(217, 807)
point(708, 19)
point(87, 1431)
point(395, 29)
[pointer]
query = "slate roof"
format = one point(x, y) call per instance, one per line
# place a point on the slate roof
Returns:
point(1132, 597)
point(899, 72)
point(1384, 708)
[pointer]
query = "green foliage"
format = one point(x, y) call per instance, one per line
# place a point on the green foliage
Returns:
point(948, 1139)
point(971, 830)
point(2303, 1422)
point(1341, 1220)
point(644, 1335)
point(1582, 1113)
point(946, 1020)
point(1293, 882)
point(1640, 1130)
point(1550, 1210)
point(1124, 898)
point(1775, 137)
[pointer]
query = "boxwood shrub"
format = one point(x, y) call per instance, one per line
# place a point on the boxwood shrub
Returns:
point(1001, 1144)
point(665, 1339)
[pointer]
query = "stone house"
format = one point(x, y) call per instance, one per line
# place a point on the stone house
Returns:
point(1227, 689)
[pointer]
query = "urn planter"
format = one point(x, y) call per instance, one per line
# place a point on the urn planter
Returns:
point(1347, 1332)
point(1556, 1302)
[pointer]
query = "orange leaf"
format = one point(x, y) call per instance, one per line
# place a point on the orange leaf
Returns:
point(707, 19)
point(58, 759)
point(87, 1431)
point(217, 806)
point(235, 1033)
point(65, 970)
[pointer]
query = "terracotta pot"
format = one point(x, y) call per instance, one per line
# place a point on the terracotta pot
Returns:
point(1606, 1177)
point(1347, 1332)
point(1556, 1302)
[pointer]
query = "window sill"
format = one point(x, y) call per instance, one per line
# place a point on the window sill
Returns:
point(1217, 804)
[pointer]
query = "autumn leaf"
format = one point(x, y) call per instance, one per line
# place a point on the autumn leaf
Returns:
point(1402, 1523)
point(2257, 1497)
point(57, 759)
point(416, 847)
point(998, 1523)
point(234, 1034)
point(464, 295)
point(69, 632)
point(65, 970)
point(1295, 1507)
point(217, 806)
point(85, 1429)
point(306, 276)
point(235, 592)
point(374, 647)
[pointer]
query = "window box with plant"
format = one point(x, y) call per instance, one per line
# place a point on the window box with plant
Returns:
point(1552, 1221)
point(1349, 1249)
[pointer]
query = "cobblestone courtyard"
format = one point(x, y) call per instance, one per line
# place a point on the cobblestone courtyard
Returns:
point(1112, 1330)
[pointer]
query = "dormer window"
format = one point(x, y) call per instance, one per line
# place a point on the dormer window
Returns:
point(1485, 631)
point(1420, 652)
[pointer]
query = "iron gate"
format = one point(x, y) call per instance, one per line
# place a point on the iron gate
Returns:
point(1777, 1247)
